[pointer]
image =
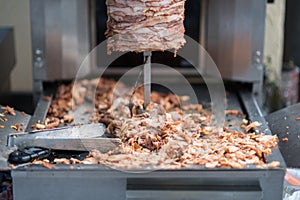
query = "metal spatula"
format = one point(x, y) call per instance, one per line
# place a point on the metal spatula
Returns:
point(79, 138)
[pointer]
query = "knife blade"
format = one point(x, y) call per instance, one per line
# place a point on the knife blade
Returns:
point(80, 138)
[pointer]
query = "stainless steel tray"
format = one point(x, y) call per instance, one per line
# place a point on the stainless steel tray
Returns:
point(101, 182)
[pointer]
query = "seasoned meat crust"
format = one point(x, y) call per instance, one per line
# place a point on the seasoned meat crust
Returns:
point(145, 25)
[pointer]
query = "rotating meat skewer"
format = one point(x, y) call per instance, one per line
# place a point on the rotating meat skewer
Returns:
point(145, 28)
point(147, 78)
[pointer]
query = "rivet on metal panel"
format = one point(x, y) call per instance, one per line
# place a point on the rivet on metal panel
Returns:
point(257, 57)
point(38, 62)
point(38, 52)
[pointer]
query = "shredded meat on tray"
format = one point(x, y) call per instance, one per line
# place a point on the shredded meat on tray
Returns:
point(8, 110)
point(168, 134)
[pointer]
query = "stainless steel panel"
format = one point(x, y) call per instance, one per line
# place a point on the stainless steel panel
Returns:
point(7, 56)
point(60, 37)
point(67, 188)
point(37, 17)
point(94, 182)
point(235, 37)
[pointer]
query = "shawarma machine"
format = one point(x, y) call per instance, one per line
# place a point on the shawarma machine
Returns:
point(64, 32)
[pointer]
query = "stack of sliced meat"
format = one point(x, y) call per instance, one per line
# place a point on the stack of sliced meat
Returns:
point(145, 25)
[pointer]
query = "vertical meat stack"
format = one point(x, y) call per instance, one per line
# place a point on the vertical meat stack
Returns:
point(145, 25)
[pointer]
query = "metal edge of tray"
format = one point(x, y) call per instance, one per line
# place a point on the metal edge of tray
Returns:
point(104, 171)
point(255, 114)
point(40, 111)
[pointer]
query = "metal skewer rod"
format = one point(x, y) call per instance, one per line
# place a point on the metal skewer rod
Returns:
point(147, 78)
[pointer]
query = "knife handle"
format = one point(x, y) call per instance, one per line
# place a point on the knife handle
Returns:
point(28, 154)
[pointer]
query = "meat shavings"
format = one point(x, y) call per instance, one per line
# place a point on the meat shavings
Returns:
point(229, 149)
point(68, 96)
point(66, 161)
point(38, 126)
point(49, 123)
point(165, 134)
point(3, 119)
point(8, 110)
point(62, 161)
point(74, 161)
point(234, 112)
point(252, 125)
point(17, 127)
point(272, 164)
point(44, 163)
point(68, 118)
point(62, 103)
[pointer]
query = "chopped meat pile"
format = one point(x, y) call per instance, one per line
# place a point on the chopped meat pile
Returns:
point(8, 110)
point(145, 25)
point(169, 133)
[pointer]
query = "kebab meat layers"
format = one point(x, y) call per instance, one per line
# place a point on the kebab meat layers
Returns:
point(145, 25)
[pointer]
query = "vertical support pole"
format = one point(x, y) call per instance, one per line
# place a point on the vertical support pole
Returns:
point(147, 78)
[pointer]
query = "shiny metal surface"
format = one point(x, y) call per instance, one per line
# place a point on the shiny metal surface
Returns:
point(147, 78)
point(235, 33)
point(82, 131)
point(7, 56)
point(80, 138)
point(60, 38)
point(93, 181)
